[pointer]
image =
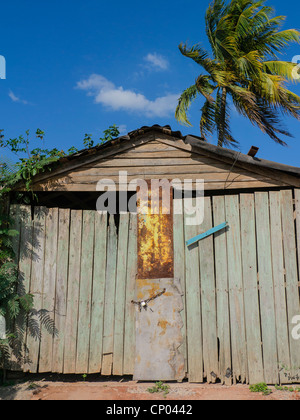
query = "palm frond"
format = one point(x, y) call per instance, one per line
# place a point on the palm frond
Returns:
point(200, 56)
point(213, 15)
point(205, 87)
point(284, 69)
point(185, 100)
point(222, 117)
point(207, 121)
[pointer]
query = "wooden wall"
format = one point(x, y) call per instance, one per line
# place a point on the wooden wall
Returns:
point(82, 275)
point(240, 290)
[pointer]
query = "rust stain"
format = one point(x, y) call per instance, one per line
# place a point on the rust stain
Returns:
point(162, 323)
point(152, 289)
point(155, 240)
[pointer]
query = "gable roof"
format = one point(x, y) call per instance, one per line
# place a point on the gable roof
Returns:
point(283, 174)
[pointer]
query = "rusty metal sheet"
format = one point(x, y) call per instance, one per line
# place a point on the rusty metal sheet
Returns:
point(158, 335)
point(155, 238)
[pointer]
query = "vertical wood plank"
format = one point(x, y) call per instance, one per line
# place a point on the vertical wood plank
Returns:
point(73, 292)
point(179, 266)
point(193, 303)
point(85, 294)
point(236, 298)
point(223, 318)
point(208, 298)
point(36, 288)
point(47, 328)
point(267, 306)
point(118, 350)
point(279, 284)
point(109, 306)
point(292, 287)
point(14, 352)
point(252, 316)
point(297, 214)
point(61, 289)
point(97, 315)
point(24, 277)
point(129, 338)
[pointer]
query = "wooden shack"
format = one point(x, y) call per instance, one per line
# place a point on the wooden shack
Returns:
point(117, 294)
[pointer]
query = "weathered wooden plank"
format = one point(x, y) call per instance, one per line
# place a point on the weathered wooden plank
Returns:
point(36, 288)
point(129, 334)
point(64, 184)
point(266, 288)
point(279, 284)
point(25, 257)
point(61, 289)
point(118, 350)
point(207, 165)
point(85, 296)
point(161, 165)
point(249, 264)
point(152, 145)
point(209, 175)
point(193, 303)
point(222, 290)
point(47, 329)
point(109, 305)
point(73, 292)
point(97, 314)
point(297, 214)
point(14, 362)
point(141, 154)
point(208, 298)
point(236, 298)
point(179, 266)
point(292, 286)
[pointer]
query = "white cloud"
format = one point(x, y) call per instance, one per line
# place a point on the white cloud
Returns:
point(118, 98)
point(156, 61)
point(15, 98)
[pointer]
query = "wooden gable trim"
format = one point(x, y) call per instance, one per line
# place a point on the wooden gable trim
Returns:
point(86, 160)
point(283, 178)
point(265, 177)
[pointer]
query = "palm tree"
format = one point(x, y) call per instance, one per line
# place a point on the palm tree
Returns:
point(245, 71)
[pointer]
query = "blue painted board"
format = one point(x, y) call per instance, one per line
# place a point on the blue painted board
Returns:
point(207, 233)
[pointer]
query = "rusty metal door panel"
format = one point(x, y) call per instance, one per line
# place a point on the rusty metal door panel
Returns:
point(155, 251)
point(155, 236)
point(159, 298)
point(158, 332)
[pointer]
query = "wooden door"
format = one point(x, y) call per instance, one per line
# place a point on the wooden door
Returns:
point(158, 295)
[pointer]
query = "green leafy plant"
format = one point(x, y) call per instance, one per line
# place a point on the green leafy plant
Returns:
point(261, 387)
point(31, 161)
point(11, 302)
point(244, 70)
point(160, 387)
point(287, 388)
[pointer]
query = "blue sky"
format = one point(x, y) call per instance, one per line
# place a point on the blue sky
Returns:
point(78, 67)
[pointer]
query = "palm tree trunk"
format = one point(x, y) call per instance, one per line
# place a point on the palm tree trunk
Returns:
point(222, 118)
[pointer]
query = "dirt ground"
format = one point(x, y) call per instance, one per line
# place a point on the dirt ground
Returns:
point(55, 389)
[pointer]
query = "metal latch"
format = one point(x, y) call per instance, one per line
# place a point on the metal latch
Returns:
point(143, 304)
